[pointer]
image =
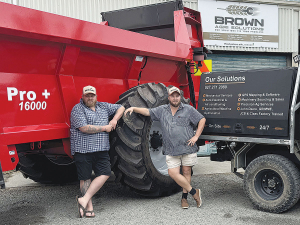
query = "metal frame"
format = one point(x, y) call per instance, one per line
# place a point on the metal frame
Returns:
point(294, 108)
point(2, 183)
point(240, 158)
point(246, 139)
point(287, 142)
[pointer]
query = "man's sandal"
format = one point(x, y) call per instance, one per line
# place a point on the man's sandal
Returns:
point(87, 216)
point(80, 207)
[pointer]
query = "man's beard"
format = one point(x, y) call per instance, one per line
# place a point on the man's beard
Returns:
point(175, 104)
point(90, 103)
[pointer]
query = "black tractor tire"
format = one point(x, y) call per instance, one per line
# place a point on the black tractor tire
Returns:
point(40, 169)
point(130, 148)
point(272, 182)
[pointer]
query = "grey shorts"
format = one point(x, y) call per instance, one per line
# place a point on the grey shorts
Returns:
point(87, 162)
point(181, 160)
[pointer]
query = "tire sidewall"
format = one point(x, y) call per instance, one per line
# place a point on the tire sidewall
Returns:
point(148, 161)
point(275, 165)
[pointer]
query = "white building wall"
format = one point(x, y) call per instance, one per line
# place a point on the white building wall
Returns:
point(89, 10)
point(7, 1)
point(192, 4)
point(288, 28)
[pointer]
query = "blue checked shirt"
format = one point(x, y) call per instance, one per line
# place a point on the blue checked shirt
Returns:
point(82, 115)
point(177, 129)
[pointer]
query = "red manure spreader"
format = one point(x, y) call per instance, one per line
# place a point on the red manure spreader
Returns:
point(131, 58)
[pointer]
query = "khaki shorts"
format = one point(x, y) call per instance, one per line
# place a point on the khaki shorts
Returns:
point(184, 160)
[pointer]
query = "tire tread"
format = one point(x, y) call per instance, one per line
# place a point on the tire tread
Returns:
point(130, 151)
point(289, 170)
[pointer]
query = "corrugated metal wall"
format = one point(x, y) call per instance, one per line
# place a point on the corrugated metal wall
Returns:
point(89, 10)
point(288, 30)
point(192, 4)
point(7, 1)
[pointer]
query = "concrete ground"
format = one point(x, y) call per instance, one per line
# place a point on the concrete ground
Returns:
point(205, 166)
point(224, 202)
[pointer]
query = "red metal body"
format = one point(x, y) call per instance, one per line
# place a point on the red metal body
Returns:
point(46, 59)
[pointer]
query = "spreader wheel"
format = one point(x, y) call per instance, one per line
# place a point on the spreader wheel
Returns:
point(136, 151)
point(44, 170)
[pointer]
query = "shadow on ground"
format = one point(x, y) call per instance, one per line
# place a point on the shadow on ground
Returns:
point(23, 213)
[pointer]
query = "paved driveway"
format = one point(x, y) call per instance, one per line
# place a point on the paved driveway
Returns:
point(223, 196)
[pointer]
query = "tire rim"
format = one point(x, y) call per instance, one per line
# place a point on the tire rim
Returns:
point(155, 148)
point(268, 184)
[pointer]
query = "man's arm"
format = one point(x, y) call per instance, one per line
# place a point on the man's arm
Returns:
point(143, 111)
point(199, 130)
point(200, 127)
point(117, 116)
point(93, 129)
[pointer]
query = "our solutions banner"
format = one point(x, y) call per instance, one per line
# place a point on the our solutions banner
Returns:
point(239, 24)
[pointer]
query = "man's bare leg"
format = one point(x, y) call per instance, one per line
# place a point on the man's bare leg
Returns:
point(84, 185)
point(187, 173)
point(181, 180)
point(185, 184)
point(94, 186)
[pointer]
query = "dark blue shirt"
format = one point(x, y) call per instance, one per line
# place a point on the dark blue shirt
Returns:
point(177, 129)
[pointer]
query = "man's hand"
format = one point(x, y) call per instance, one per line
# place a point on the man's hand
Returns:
point(143, 111)
point(117, 116)
point(192, 141)
point(113, 123)
point(107, 128)
point(130, 110)
point(199, 130)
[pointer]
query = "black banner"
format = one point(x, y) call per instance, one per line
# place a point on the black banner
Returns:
point(253, 102)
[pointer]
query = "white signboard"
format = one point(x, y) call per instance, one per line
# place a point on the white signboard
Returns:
point(239, 24)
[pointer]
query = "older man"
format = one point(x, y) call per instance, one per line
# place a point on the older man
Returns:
point(90, 129)
point(178, 121)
